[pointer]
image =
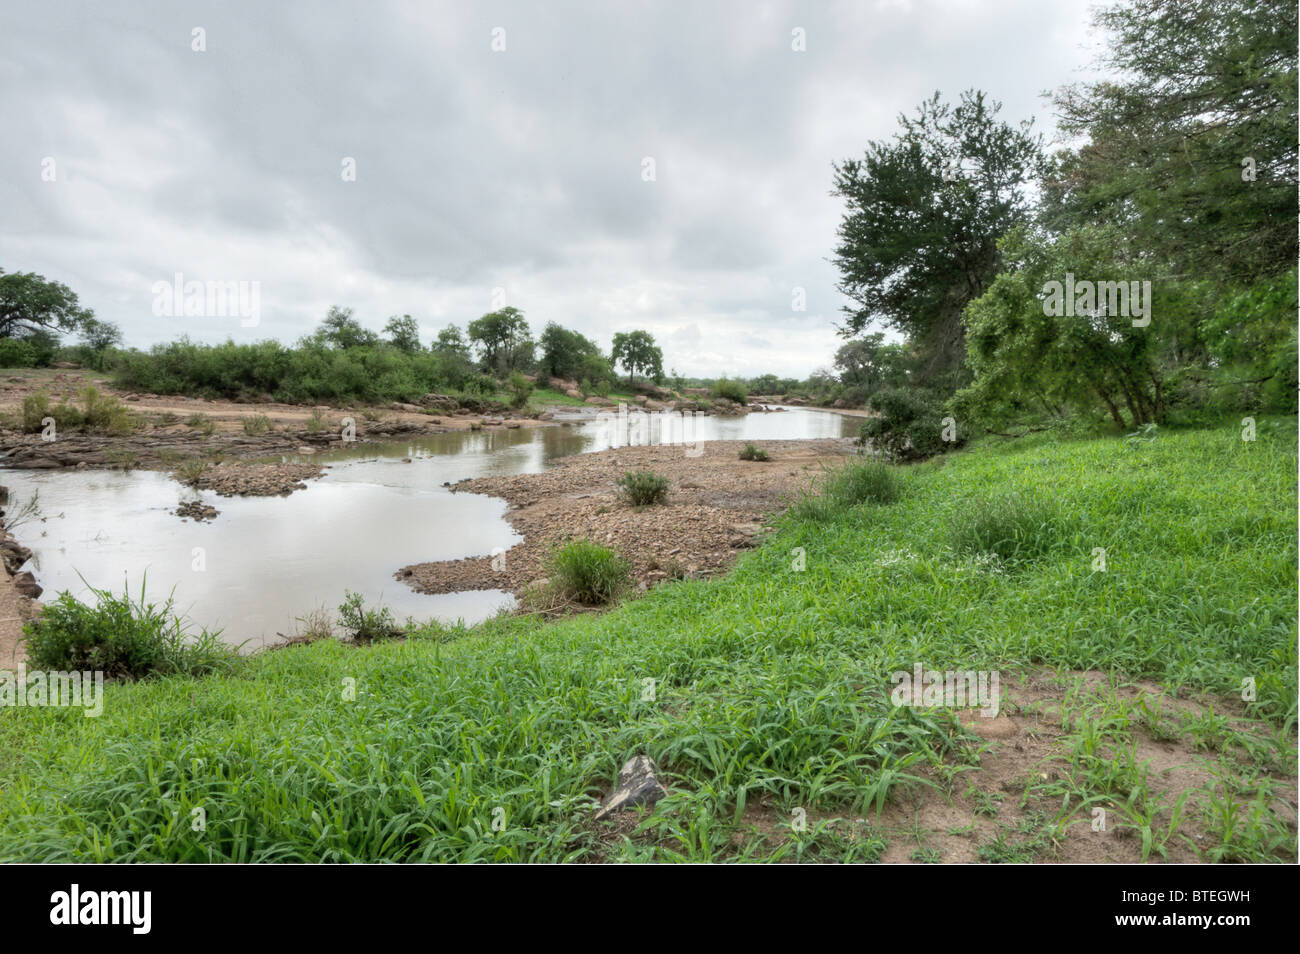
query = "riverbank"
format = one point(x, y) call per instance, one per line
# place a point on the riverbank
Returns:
point(765, 696)
point(715, 509)
point(227, 446)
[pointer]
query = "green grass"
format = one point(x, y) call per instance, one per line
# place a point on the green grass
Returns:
point(770, 686)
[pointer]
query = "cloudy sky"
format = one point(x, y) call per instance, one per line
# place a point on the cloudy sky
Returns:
point(517, 173)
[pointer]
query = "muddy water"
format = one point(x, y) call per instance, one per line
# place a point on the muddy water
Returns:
point(267, 561)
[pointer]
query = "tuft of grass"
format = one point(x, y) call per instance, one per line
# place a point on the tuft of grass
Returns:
point(643, 488)
point(860, 482)
point(752, 452)
point(316, 421)
point(191, 470)
point(123, 637)
point(202, 423)
point(255, 423)
point(588, 573)
point(1016, 528)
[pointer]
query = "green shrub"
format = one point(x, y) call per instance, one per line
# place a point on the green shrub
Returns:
point(520, 389)
point(1013, 528)
point(908, 425)
point(122, 637)
point(106, 415)
point(316, 421)
point(364, 625)
point(588, 573)
point(16, 353)
point(37, 408)
point(641, 488)
point(731, 390)
point(750, 452)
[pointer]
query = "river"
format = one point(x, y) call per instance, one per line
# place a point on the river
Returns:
point(264, 562)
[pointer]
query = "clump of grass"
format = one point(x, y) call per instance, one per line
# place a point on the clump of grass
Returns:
point(864, 482)
point(858, 483)
point(751, 452)
point(366, 625)
point(255, 423)
point(1015, 528)
point(122, 637)
point(316, 422)
point(166, 419)
point(202, 423)
point(190, 471)
point(642, 488)
point(588, 573)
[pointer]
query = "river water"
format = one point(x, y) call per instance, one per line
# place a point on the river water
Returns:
point(267, 561)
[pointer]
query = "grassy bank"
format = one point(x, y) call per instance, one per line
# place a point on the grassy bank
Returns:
point(771, 686)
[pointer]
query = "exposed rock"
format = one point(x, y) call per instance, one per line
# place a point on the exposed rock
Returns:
point(197, 510)
point(638, 784)
point(441, 402)
point(14, 554)
point(573, 393)
point(26, 585)
point(600, 401)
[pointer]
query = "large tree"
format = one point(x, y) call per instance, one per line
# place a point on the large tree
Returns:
point(637, 351)
point(504, 339)
point(569, 354)
point(403, 333)
point(29, 304)
point(1191, 145)
point(918, 240)
point(341, 330)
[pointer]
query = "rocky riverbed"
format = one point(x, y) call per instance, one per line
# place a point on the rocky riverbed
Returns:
point(715, 509)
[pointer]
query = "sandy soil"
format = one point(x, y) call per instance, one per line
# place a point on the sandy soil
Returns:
point(715, 508)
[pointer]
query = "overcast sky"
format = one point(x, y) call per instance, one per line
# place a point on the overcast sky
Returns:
point(476, 169)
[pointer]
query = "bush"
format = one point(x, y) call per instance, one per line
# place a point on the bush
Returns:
point(588, 573)
point(122, 638)
point(641, 488)
point(1011, 527)
point(750, 452)
point(106, 415)
point(363, 625)
point(16, 353)
point(731, 390)
point(909, 425)
point(520, 388)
